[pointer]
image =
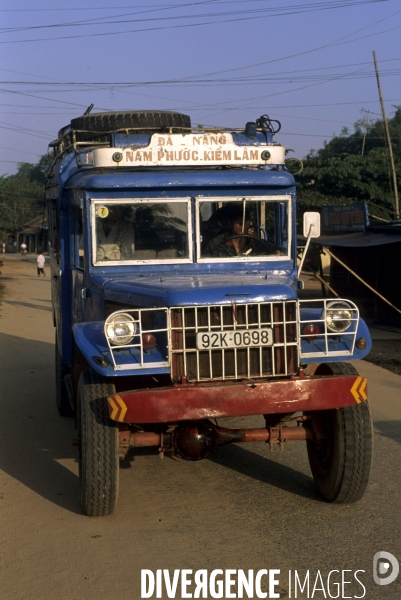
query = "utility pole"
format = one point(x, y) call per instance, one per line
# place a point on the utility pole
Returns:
point(366, 123)
point(390, 148)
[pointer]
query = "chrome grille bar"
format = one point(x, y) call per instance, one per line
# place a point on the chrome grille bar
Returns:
point(243, 356)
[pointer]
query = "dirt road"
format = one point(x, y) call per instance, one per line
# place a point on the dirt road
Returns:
point(243, 509)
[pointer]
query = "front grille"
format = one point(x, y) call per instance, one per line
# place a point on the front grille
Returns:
point(247, 324)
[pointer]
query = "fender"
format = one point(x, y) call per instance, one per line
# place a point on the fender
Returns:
point(92, 343)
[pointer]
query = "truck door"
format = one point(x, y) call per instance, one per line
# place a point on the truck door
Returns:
point(78, 260)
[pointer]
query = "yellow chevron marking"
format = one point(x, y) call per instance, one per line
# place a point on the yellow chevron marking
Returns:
point(362, 389)
point(358, 389)
point(122, 406)
point(354, 389)
point(113, 406)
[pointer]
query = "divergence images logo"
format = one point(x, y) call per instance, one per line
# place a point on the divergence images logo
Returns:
point(381, 566)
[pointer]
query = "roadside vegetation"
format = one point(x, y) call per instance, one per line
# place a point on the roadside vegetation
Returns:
point(22, 196)
point(354, 167)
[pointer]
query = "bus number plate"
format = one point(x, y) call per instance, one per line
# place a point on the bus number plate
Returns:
point(234, 339)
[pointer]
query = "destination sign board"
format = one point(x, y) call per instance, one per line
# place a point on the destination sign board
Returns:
point(185, 150)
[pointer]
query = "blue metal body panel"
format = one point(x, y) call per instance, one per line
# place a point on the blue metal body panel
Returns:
point(336, 344)
point(161, 181)
point(91, 341)
point(177, 289)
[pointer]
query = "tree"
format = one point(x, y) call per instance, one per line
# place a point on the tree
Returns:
point(352, 143)
point(35, 172)
point(22, 196)
point(338, 173)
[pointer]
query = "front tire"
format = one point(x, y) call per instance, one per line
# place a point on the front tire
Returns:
point(340, 455)
point(99, 459)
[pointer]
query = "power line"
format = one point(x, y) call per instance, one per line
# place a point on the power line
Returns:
point(339, 41)
point(40, 98)
point(332, 136)
point(280, 93)
point(281, 106)
point(211, 107)
point(282, 10)
point(222, 16)
point(31, 132)
point(96, 20)
point(83, 9)
point(19, 150)
point(325, 68)
point(254, 80)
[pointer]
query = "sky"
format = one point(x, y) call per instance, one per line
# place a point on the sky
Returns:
point(307, 63)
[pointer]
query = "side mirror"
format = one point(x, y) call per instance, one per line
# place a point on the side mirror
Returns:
point(311, 230)
point(312, 224)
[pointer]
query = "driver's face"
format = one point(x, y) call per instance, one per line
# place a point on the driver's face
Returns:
point(237, 226)
point(238, 230)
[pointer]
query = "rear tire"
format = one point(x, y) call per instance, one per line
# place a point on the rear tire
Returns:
point(340, 456)
point(99, 459)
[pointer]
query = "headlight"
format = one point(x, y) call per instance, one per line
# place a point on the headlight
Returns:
point(120, 329)
point(338, 316)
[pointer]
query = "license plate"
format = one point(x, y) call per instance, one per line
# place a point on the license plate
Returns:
point(239, 338)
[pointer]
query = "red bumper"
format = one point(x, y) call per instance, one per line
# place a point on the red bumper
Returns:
point(211, 400)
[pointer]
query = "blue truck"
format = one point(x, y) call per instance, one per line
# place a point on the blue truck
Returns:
point(175, 292)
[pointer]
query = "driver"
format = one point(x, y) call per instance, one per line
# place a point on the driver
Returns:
point(237, 241)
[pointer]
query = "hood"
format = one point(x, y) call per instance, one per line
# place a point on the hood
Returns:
point(169, 289)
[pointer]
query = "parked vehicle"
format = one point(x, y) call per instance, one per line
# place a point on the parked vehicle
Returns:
point(175, 303)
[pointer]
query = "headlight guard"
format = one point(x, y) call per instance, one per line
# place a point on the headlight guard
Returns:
point(334, 324)
point(338, 316)
point(137, 338)
point(120, 328)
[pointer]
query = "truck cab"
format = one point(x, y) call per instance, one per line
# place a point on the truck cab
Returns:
point(175, 303)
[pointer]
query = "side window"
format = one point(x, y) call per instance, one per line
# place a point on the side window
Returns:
point(78, 238)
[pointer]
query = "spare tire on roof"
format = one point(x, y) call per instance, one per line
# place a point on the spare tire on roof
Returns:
point(136, 121)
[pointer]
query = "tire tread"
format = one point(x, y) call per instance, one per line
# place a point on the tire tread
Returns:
point(99, 463)
point(358, 448)
point(139, 121)
point(349, 473)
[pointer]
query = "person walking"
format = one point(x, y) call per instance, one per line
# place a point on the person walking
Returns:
point(40, 262)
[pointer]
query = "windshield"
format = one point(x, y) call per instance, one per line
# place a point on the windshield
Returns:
point(140, 231)
point(243, 228)
point(159, 230)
